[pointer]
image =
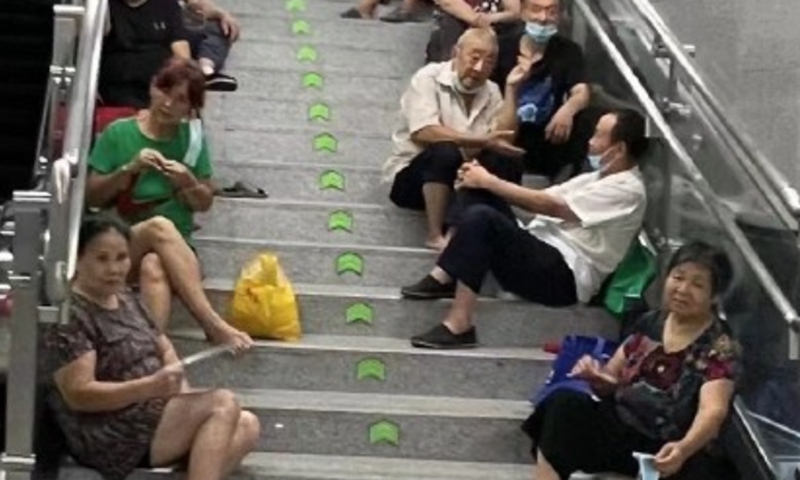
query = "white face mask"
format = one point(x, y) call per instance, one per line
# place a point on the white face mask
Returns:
point(596, 160)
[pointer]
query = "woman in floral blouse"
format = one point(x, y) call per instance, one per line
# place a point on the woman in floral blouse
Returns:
point(666, 391)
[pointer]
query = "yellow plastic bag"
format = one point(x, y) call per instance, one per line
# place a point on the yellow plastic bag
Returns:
point(264, 304)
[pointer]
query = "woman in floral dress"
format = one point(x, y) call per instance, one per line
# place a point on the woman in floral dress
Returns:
point(121, 398)
point(666, 391)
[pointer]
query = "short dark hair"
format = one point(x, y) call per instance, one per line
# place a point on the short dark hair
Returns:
point(630, 129)
point(179, 70)
point(95, 225)
point(713, 259)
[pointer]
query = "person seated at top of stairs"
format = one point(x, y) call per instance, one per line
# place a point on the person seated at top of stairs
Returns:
point(407, 11)
point(154, 170)
point(666, 392)
point(449, 113)
point(553, 123)
point(453, 17)
point(211, 31)
point(121, 397)
point(581, 232)
point(142, 35)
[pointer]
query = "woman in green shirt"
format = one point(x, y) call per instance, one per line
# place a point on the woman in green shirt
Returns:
point(156, 163)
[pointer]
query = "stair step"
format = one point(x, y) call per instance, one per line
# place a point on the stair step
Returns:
point(314, 221)
point(323, 422)
point(329, 32)
point(254, 114)
point(400, 63)
point(336, 88)
point(299, 146)
point(316, 10)
point(318, 262)
point(292, 466)
point(304, 181)
point(380, 312)
point(387, 366)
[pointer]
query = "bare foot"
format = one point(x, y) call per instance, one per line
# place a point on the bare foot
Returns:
point(438, 244)
point(227, 335)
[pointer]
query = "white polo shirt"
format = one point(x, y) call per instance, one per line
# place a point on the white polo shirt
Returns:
point(431, 99)
point(611, 210)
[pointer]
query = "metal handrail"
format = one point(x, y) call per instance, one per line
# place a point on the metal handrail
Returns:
point(78, 134)
point(696, 177)
point(677, 53)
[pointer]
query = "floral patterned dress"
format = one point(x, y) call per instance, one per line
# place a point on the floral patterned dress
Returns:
point(659, 391)
point(126, 343)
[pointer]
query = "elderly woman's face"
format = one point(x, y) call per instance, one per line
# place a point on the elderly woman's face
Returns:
point(105, 262)
point(688, 290)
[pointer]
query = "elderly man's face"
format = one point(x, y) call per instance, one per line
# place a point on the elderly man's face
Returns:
point(474, 62)
point(543, 12)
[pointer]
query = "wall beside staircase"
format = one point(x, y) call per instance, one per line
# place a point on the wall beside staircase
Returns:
point(748, 50)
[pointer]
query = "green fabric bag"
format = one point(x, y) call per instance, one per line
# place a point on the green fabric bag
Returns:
point(631, 278)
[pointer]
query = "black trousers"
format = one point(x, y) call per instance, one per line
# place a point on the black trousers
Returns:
point(488, 239)
point(439, 163)
point(576, 433)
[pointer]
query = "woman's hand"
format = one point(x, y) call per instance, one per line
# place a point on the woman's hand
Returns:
point(168, 381)
point(230, 26)
point(589, 369)
point(178, 174)
point(147, 158)
point(670, 459)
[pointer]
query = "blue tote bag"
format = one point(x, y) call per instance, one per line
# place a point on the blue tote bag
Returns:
point(573, 348)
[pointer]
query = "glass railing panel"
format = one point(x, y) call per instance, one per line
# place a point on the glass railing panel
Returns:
point(771, 228)
point(730, 211)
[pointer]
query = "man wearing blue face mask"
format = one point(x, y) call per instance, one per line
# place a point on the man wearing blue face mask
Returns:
point(581, 231)
point(553, 94)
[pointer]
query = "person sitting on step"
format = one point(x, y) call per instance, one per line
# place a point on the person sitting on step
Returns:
point(450, 113)
point(141, 35)
point(157, 163)
point(581, 232)
point(407, 11)
point(211, 31)
point(666, 392)
point(553, 123)
point(121, 398)
point(453, 17)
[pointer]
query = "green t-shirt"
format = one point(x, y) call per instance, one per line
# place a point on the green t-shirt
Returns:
point(122, 141)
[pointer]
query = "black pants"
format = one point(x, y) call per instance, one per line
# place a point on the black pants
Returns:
point(575, 433)
point(549, 159)
point(439, 163)
point(486, 239)
point(210, 42)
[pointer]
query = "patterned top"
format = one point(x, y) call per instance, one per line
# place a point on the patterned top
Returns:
point(125, 341)
point(659, 392)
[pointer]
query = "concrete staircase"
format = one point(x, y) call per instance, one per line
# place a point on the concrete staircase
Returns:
point(352, 400)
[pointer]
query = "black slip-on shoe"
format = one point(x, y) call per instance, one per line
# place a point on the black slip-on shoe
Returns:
point(441, 338)
point(429, 289)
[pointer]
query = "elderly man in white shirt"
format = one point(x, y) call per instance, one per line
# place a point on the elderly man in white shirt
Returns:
point(451, 114)
point(581, 232)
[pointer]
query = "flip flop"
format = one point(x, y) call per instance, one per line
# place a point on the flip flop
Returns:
point(241, 189)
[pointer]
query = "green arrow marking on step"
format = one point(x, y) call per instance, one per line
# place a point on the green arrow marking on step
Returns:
point(326, 142)
point(301, 27)
point(319, 111)
point(307, 54)
point(296, 5)
point(384, 432)
point(312, 80)
point(349, 262)
point(331, 180)
point(371, 368)
point(340, 220)
point(359, 313)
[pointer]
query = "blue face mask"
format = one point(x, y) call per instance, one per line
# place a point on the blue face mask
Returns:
point(595, 161)
point(539, 33)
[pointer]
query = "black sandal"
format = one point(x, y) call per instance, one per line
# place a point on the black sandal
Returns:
point(241, 189)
